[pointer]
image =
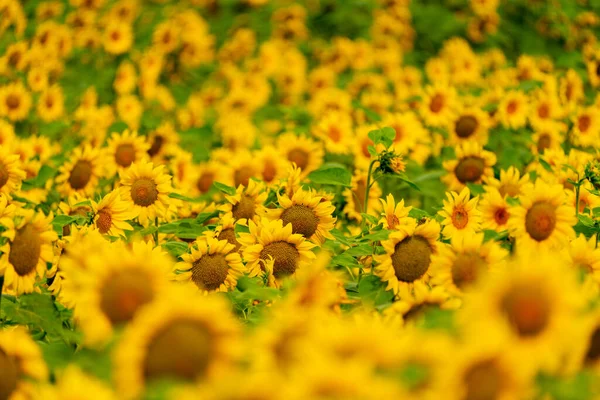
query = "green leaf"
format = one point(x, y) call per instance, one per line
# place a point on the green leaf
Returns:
point(405, 179)
point(372, 151)
point(530, 85)
point(224, 188)
point(383, 136)
point(40, 180)
point(586, 220)
point(331, 174)
point(545, 164)
point(372, 291)
point(62, 220)
point(184, 198)
point(417, 213)
point(513, 201)
point(476, 189)
point(175, 248)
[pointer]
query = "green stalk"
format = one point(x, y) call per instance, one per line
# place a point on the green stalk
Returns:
point(367, 190)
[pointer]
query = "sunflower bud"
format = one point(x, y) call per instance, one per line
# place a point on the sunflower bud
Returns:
point(391, 163)
point(592, 174)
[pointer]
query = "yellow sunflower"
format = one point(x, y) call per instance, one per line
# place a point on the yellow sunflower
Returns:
point(117, 38)
point(73, 383)
point(11, 174)
point(472, 123)
point(125, 149)
point(513, 110)
point(248, 202)
point(461, 216)
point(438, 106)
point(212, 265)
point(22, 364)
point(271, 247)
point(510, 183)
point(81, 173)
point(146, 189)
point(472, 165)
point(180, 335)
point(494, 210)
point(28, 249)
point(116, 286)
point(409, 131)
point(460, 265)
point(273, 166)
point(306, 153)
point(50, 106)
point(335, 130)
point(542, 220)
point(587, 200)
point(163, 140)
point(309, 213)
point(413, 309)
point(394, 214)
point(125, 78)
point(15, 101)
point(225, 230)
point(586, 127)
point(407, 257)
point(583, 255)
point(111, 214)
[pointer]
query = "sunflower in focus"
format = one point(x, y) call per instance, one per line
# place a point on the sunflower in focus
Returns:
point(212, 265)
point(11, 174)
point(111, 215)
point(494, 209)
point(461, 216)
point(394, 214)
point(248, 202)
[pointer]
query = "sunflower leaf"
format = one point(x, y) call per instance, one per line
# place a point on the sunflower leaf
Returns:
point(224, 188)
point(331, 174)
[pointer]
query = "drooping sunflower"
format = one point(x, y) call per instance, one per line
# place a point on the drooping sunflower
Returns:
point(309, 213)
point(248, 202)
point(407, 257)
point(271, 247)
point(494, 210)
point(28, 249)
point(513, 110)
point(542, 220)
point(81, 173)
point(460, 265)
point(11, 173)
point(180, 335)
point(394, 214)
point(125, 149)
point(15, 101)
point(22, 363)
point(472, 165)
point(212, 265)
point(111, 215)
point(306, 153)
point(146, 188)
point(461, 216)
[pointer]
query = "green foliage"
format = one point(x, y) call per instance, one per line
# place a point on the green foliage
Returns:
point(331, 174)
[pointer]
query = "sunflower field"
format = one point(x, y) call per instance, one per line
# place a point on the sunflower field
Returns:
point(310, 199)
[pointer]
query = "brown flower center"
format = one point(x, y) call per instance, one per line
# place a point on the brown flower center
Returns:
point(540, 221)
point(80, 174)
point(484, 381)
point(467, 268)
point(411, 258)
point(124, 293)
point(334, 133)
point(229, 235)
point(104, 221)
point(25, 250)
point(4, 175)
point(466, 126)
point(125, 155)
point(460, 217)
point(245, 208)
point(509, 189)
point(285, 258)
point(9, 376)
point(527, 309)
point(584, 122)
point(182, 349)
point(144, 192)
point(300, 157)
point(544, 111)
point(501, 216)
point(210, 271)
point(469, 169)
point(437, 103)
point(157, 144)
point(511, 108)
point(593, 352)
point(303, 220)
point(205, 182)
point(242, 176)
point(13, 101)
point(269, 172)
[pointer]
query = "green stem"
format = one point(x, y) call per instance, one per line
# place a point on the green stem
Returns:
point(577, 200)
point(156, 232)
point(597, 237)
point(1, 288)
point(367, 190)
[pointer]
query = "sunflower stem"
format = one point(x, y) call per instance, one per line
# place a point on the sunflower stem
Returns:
point(577, 197)
point(1, 290)
point(156, 232)
point(367, 190)
point(597, 237)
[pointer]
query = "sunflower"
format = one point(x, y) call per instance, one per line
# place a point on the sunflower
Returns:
point(533, 303)
point(212, 265)
point(225, 230)
point(583, 255)
point(460, 265)
point(472, 123)
point(587, 200)
point(513, 110)
point(461, 216)
point(409, 131)
point(273, 166)
point(125, 149)
point(15, 101)
point(271, 247)
point(355, 197)
point(116, 286)
point(205, 174)
point(306, 153)
point(50, 105)
point(510, 183)
point(146, 188)
point(586, 127)
point(335, 130)
point(117, 38)
point(7, 133)
point(309, 213)
point(163, 140)
point(542, 220)
point(472, 165)
point(73, 383)
point(571, 90)
point(545, 108)
point(125, 78)
point(81, 173)
point(407, 257)
point(22, 363)
point(130, 110)
point(394, 214)
point(248, 202)
point(111, 214)
point(413, 309)
point(11, 174)
point(181, 335)
point(549, 136)
point(28, 249)
point(438, 106)
point(494, 210)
